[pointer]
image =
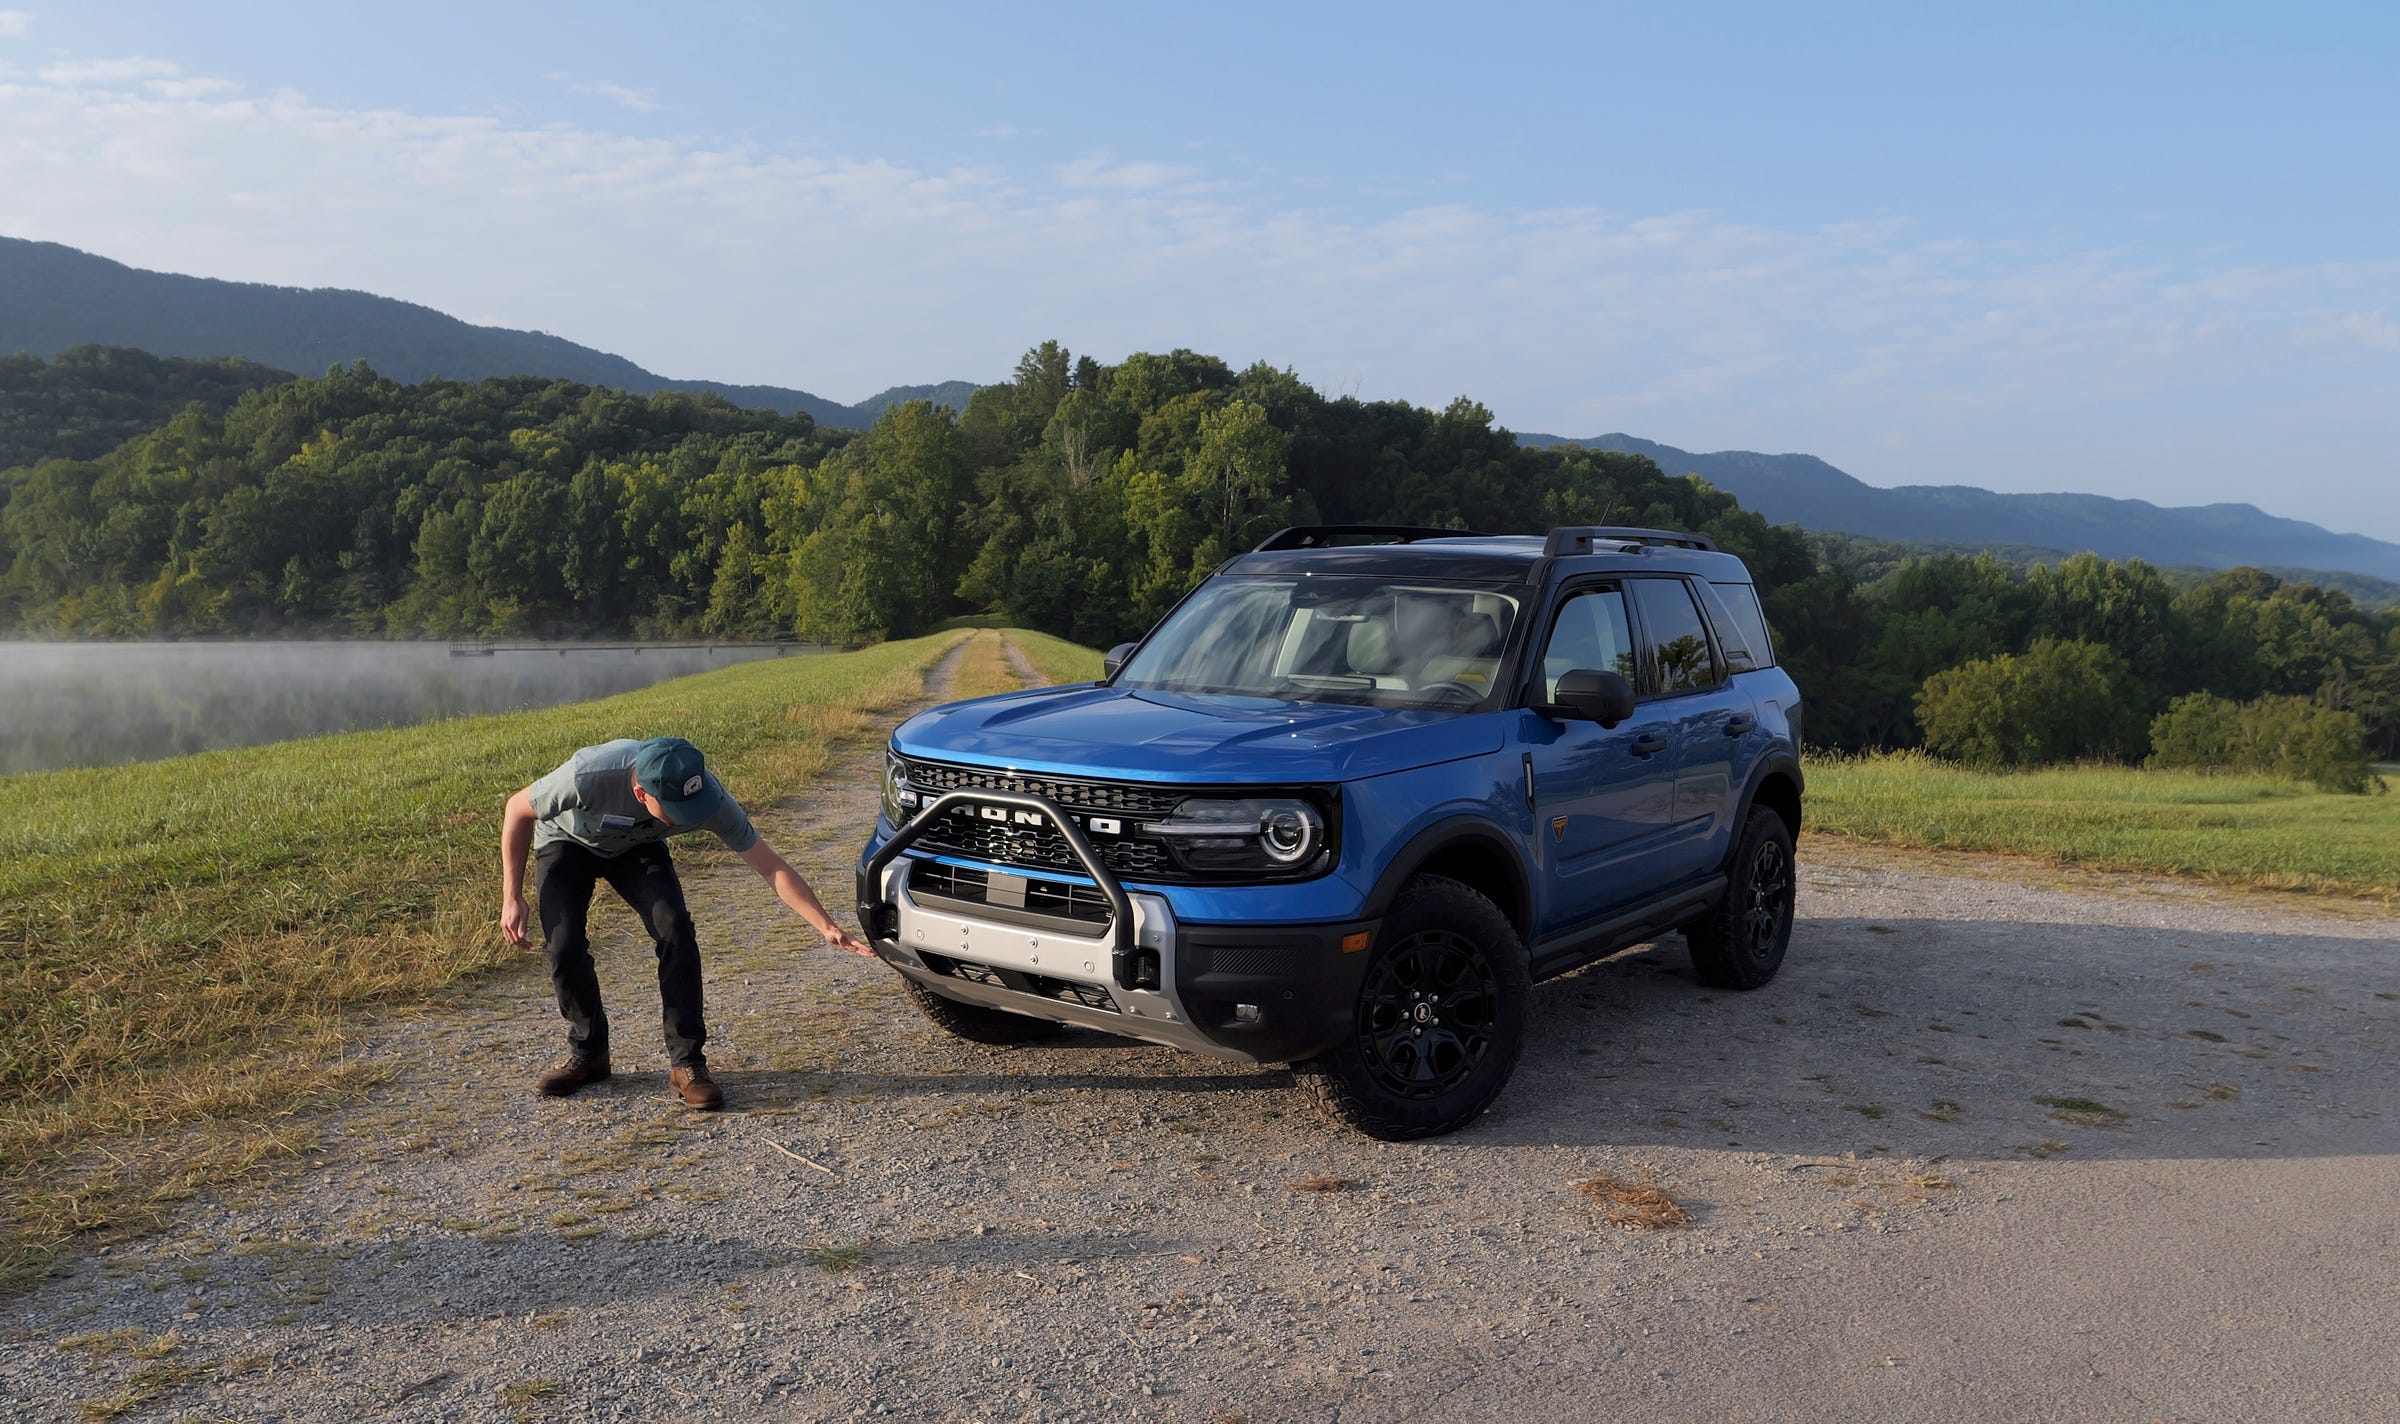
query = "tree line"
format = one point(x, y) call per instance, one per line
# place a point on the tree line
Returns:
point(1076, 497)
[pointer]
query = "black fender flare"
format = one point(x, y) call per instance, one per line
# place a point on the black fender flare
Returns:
point(1779, 761)
point(1441, 836)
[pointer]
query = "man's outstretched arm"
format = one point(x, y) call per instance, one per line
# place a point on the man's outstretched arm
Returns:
point(794, 891)
point(516, 842)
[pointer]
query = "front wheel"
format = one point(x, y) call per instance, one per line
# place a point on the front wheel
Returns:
point(1739, 943)
point(978, 1024)
point(1439, 1021)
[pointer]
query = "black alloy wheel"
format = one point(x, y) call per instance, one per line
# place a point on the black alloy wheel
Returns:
point(1769, 917)
point(1739, 942)
point(1428, 1014)
point(1439, 1019)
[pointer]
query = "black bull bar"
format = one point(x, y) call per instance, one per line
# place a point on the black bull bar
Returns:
point(881, 917)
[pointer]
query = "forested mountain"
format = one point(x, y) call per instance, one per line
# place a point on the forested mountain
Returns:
point(1804, 490)
point(1079, 498)
point(1869, 560)
point(54, 297)
point(91, 399)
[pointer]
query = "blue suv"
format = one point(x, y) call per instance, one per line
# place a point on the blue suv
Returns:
point(1347, 802)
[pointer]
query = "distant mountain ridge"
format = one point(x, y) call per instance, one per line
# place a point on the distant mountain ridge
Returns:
point(54, 297)
point(1804, 490)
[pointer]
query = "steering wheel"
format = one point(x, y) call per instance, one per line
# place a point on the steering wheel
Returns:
point(1450, 689)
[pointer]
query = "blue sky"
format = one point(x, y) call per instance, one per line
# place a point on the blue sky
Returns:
point(2151, 252)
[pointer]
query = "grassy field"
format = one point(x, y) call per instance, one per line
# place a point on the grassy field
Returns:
point(2245, 830)
point(183, 942)
point(1058, 659)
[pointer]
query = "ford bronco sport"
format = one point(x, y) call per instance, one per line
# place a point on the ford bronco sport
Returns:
point(1347, 802)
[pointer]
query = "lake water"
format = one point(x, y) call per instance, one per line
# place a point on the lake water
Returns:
point(96, 704)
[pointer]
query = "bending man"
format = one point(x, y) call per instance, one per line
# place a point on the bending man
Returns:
point(606, 814)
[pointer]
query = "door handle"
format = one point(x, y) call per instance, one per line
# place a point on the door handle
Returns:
point(1649, 744)
point(1740, 724)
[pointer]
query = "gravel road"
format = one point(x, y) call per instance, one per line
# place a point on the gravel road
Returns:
point(1999, 1144)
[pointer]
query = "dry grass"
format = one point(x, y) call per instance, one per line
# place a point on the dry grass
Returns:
point(147, 1384)
point(840, 1260)
point(1321, 1184)
point(186, 946)
point(2083, 1112)
point(983, 669)
point(1635, 1206)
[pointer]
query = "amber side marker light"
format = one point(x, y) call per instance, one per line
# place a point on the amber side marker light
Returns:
point(1353, 943)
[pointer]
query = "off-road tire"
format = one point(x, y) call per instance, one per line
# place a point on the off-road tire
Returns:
point(1446, 946)
point(977, 1024)
point(1740, 942)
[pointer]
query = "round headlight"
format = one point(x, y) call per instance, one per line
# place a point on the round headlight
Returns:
point(1289, 833)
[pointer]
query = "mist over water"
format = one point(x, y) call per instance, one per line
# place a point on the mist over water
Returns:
point(97, 704)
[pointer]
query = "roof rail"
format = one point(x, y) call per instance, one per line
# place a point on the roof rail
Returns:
point(1578, 539)
point(1319, 536)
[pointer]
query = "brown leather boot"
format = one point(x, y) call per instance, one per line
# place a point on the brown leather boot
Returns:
point(696, 1088)
point(571, 1075)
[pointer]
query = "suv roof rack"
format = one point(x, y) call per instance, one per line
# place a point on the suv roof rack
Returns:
point(1319, 536)
point(1578, 539)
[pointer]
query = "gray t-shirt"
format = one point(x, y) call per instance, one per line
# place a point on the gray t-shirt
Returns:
point(589, 800)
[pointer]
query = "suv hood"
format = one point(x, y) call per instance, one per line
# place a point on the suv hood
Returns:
point(1148, 735)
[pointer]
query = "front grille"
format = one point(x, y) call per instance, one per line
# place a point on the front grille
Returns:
point(1068, 991)
point(1124, 851)
point(933, 879)
point(1041, 847)
point(1098, 796)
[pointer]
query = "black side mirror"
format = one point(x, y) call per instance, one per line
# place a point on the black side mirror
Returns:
point(1115, 658)
point(1594, 696)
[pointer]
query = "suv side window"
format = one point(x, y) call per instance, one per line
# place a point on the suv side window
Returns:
point(1589, 632)
point(1747, 629)
point(1675, 638)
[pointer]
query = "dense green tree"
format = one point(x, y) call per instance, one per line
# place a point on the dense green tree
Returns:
point(1076, 497)
point(2054, 702)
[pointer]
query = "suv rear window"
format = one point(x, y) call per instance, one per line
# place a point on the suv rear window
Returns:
point(1677, 641)
point(1747, 646)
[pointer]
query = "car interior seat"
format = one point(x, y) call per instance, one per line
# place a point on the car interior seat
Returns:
point(1469, 654)
point(1374, 652)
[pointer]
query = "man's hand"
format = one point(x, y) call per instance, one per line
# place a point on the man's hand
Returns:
point(849, 943)
point(512, 920)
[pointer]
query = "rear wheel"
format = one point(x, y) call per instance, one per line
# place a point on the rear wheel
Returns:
point(1740, 942)
point(977, 1024)
point(1439, 1021)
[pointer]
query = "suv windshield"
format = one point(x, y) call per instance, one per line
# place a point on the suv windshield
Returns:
point(1380, 642)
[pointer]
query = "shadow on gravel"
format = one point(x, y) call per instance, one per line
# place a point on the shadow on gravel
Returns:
point(1947, 1038)
point(1921, 1038)
point(768, 1090)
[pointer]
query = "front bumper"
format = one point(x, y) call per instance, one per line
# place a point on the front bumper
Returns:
point(1243, 993)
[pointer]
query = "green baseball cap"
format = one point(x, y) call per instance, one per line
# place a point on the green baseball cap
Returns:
point(672, 771)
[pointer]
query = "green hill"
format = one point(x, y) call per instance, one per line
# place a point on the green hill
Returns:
point(54, 298)
point(1804, 490)
point(91, 399)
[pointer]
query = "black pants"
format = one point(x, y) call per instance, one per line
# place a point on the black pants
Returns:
point(563, 877)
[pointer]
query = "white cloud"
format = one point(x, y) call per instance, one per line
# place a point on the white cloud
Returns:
point(1900, 354)
point(1101, 172)
point(640, 101)
point(98, 73)
point(14, 23)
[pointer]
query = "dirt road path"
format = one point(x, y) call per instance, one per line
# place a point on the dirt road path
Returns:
point(1996, 1146)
